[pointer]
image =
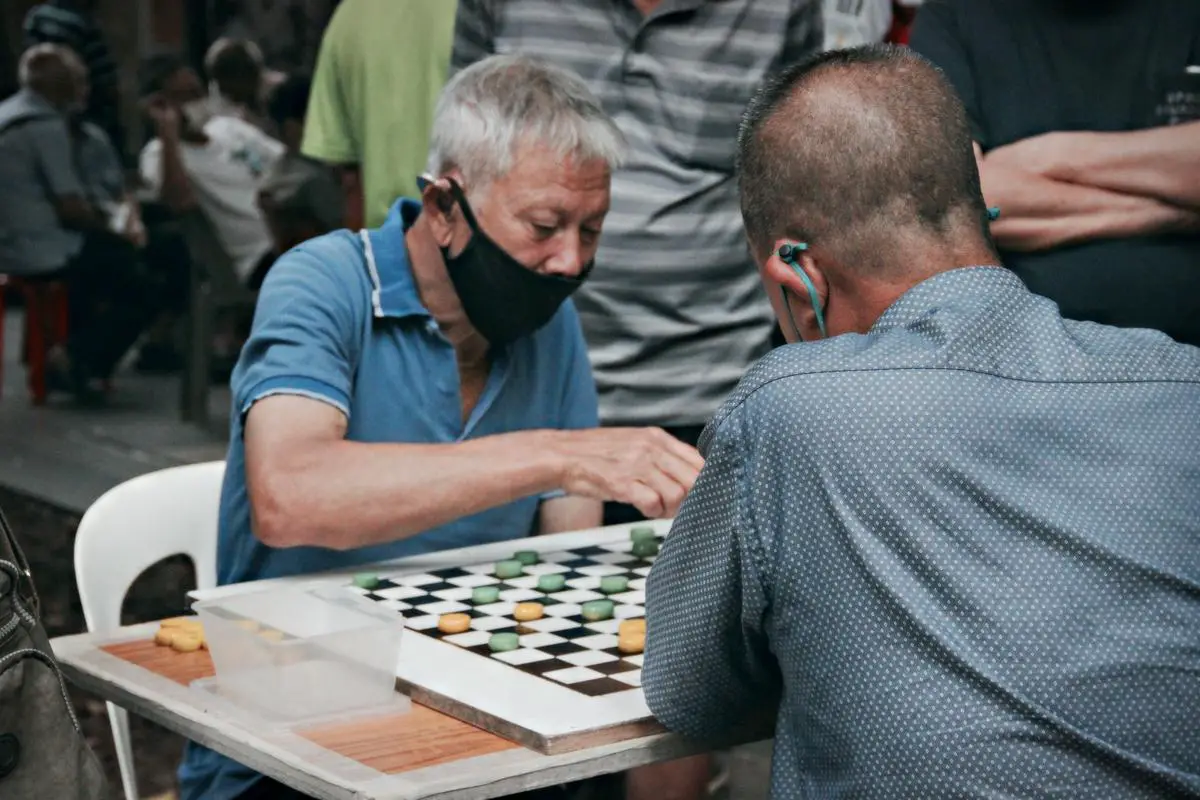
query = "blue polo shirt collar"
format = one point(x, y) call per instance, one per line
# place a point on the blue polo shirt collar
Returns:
point(394, 292)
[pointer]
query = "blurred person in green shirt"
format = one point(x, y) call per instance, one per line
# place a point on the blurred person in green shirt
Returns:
point(381, 66)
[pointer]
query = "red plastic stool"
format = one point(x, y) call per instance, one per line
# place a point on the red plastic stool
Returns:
point(46, 321)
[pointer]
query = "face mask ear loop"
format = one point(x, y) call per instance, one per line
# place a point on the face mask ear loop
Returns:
point(789, 253)
point(461, 197)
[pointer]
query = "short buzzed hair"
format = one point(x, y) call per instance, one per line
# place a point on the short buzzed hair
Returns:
point(851, 148)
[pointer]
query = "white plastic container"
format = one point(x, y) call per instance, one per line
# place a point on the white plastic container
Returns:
point(299, 653)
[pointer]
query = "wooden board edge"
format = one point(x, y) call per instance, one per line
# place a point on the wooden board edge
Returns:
point(546, 745)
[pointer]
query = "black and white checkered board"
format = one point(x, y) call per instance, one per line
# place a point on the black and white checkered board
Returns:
point(561, 646)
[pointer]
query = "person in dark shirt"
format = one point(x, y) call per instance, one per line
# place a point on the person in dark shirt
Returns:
point(1087, 118)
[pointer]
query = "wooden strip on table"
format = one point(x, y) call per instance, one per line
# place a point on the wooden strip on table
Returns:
point(390, 744)
point(182, 668)
point(402, 742)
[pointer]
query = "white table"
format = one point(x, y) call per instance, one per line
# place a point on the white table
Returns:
point(292, 759)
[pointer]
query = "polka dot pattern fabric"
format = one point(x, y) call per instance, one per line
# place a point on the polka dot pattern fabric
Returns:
point(956, 557)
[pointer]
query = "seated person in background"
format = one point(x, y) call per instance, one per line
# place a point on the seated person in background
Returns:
point(103, 178)
point(425, 385)
point(164, 268)
point(213, 163)
point(300, 197)
point(951, 550)
point(1089, 144)
point(50, 229)
point(236, 80)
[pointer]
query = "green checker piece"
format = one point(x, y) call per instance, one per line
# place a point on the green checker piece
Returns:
point(614, 584)
point(645, 548)
point(526, 557)
point(366, 580)
point(482, 595)
point(503, 642)
point(596, 610)
point(509, 569)
point(551, 582)
point(639, 533)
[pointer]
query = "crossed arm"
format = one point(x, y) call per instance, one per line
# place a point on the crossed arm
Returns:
point(1062, 188)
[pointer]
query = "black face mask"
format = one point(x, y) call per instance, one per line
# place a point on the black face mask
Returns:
point(503, 299)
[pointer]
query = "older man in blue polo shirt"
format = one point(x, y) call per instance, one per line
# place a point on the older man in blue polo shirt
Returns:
point(425, 385)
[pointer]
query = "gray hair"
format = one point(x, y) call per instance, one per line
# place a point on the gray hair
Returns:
point(488, 110)
point(46, 61)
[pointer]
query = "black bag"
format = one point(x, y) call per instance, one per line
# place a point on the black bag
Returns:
point(43, 753)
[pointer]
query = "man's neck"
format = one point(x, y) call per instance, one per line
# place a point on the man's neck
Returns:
point(861, 302)
point(437, 294)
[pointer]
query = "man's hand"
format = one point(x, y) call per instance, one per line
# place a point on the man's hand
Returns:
point(645, 467)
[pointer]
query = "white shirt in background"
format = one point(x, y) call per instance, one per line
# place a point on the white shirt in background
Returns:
point(225, 175)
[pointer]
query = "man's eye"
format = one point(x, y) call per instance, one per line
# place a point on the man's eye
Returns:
point(543, 231)
point(589, 235)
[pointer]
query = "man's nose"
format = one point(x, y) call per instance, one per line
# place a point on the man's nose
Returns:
point(568, 261)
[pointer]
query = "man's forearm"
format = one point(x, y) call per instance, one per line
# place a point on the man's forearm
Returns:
point(346, 494)
point(1162, 163)
point(1038, 213)
point(176, 191)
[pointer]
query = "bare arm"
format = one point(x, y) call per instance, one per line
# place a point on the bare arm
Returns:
point(1037, 213)
point(176, 190)
point(1161, 163)
point(76, 213)
point(570, 514)
point(310, 486)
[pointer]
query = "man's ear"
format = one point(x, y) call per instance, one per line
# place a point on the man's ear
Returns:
point(439, 206)
point(784, 274)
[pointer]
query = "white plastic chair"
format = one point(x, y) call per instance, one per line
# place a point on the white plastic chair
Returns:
point(131, 527)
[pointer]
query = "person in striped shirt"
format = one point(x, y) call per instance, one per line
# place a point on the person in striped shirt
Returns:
point(70, 23)
point(673, 313)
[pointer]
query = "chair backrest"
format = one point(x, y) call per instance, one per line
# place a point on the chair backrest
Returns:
point(139, 523)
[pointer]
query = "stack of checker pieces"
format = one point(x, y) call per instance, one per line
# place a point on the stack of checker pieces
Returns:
point(562, 646)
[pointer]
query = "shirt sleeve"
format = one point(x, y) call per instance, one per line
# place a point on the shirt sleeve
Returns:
point(580, 404)
point(474, 33)
point(328, 126)
point(805, 31)
point(708, 668)
point(55, 158)
point(306, 334)
point(937, 36)
point(580, 407)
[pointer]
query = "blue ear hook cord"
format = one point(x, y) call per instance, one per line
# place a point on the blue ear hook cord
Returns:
point(790, 254)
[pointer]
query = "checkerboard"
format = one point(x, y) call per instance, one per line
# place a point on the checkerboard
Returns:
point(562, 646)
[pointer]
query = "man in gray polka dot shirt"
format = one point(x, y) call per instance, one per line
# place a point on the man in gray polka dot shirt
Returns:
point(949, 546)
